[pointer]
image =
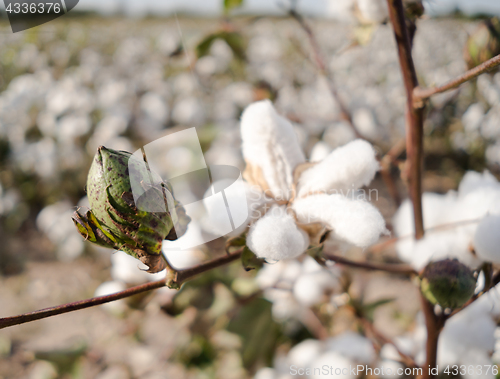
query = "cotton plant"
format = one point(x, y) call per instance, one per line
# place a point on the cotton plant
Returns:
point(292, 285)
point(460, 224)
point(303, 202)
point(307, 358)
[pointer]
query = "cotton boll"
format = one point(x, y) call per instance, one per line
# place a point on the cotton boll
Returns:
point(127, 269)
point(266, 373)
point(473, 180)
point(308, 290)
point(487, 239)
point(269, 145)
point(471, 329)
point(320, 151)
point(353, 346)
point(332, 360)
point(107, 288)
point(182, 259)
point(354, 221)
point(284, 304)
point(270, 274)
point(276, 236)
point(302, 354)
point(346, 168)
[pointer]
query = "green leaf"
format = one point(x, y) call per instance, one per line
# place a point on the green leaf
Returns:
point(250, 261)
point(230, 4)
point(259, 332)
point(315, 251)
point(233, 39)
point(369, 309)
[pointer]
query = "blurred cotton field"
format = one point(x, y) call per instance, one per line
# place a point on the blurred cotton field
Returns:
point(77, 83)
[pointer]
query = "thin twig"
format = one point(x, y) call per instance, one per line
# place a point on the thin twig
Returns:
point(323, 69)
point(405, 358)
point(419, 94)
point(179, 278)
point(394, 268)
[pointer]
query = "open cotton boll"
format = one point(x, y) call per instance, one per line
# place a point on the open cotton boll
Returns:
point(127, 269)
point(266, 373)
point(353, 346)
point(276, 236)
point(345, 169)
point(354, 221)
point(302, 354)
point(284, 304)
point(309, 289)
point(107, 288)
point(270, 146)
point(320, 151)
point(473, 180)
point(487, 239)
point(333, 361)
point(467, 331)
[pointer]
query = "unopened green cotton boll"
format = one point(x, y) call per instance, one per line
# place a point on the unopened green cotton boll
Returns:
point(116, 221)
point(448, 283)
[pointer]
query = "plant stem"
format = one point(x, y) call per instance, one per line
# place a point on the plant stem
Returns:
point(394, 268)
point(179, 276)
point(419, 94)
point(414, 116)
point(434, 324)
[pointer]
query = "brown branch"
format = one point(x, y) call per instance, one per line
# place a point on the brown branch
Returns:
point(394, 268)
point(419, 94)
point(179, 277)
point(405, 358)
point(434, 324)
point(414, 116)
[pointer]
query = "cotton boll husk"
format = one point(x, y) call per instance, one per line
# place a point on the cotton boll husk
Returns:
point(353, 346)
point(276, 236)
point(107, 288)
point(355, 221)
point(487, 239)
point(345, 169)
point(333, 360)
point(270, 144)
point(302, 354)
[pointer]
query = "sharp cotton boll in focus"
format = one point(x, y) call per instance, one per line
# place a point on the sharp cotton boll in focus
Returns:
point(276, 236)
point(270, 148)
point(345, 169)
point(487, 239)
point(354, 221)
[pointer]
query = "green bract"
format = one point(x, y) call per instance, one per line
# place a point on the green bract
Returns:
point(132, 209)
point(448, 283)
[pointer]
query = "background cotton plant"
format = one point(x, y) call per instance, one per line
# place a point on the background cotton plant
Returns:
point(81, 83)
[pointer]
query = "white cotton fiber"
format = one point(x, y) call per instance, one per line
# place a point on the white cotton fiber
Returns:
point(332, 360)
point(354, 221)
point(347, 168)
point(487, 239)
point(352, 345)
point(309, 289)
point(302, 354)
point(107, 288)
point(473, 180)
point(276, 236)
point(127, 269)
point(320, 151)
point(270, 143)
